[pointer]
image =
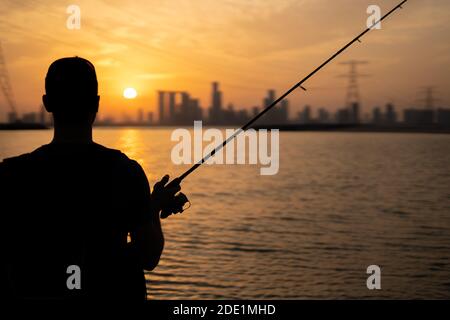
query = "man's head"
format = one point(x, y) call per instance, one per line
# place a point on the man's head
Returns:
point(72, 91)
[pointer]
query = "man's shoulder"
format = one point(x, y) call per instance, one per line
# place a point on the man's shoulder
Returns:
point(10, 167)
point(115, 154)
point(125, 168)
point(14, 160)
point(95, 151)
point(109, 152)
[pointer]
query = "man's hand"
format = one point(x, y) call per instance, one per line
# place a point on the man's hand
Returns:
point(163, 194)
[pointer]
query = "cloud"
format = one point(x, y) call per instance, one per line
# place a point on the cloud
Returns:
point(154, 76)
point(252, 43)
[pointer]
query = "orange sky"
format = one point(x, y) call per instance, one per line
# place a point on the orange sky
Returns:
point(248, 46)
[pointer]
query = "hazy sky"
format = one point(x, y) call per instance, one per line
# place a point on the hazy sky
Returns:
point(247, 45)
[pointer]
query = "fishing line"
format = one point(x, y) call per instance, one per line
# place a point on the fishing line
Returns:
point(273, 104)
point(181, 199)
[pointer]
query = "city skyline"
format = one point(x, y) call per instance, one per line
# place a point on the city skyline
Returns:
point(179, 108)
point(179, 45)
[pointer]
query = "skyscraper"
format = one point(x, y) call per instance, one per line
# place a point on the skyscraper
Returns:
point(391, 115)
point(215, 111)
point(355, 113)
point(162, 116)
point(305, 115)
point(140, 116)
point(323, 115)
point(270, 98)
point(279, 113)
point(171, 106)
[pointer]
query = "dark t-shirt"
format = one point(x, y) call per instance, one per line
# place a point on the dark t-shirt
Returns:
point(64, 205)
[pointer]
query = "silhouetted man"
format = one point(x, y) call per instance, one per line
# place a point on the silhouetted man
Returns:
point(75, 208)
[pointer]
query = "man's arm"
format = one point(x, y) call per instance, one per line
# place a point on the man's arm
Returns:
point(147, 239)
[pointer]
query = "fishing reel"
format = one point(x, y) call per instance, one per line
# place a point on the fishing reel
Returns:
point(179, 204)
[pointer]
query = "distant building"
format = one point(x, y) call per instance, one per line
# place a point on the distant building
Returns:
point(106, 121)
point(323, 116)
point(283, 112)
point(184, 113)
point(377, 116)
point(189, 110)
point(229, 115)
point(30, 117)
point(150, 118)
point(215, 111)
point(279, 113)
point(349, 115)
point(443, 117)
point(355, 113)
point(43, 116)
point(12, 117)
point(418, 117)
point(140, 116)
point(390, 117)
point(304, 116)
point(267, 101)
point(166, 101)
point(171, 107)
point(255, 111)
point(161, 103)
point(343, 116)
point(242, 116)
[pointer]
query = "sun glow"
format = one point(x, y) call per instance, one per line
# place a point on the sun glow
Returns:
point(130, 93)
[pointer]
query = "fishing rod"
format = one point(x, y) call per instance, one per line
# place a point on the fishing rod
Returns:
point(299, 84)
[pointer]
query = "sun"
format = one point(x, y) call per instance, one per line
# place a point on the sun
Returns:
point(130, 93)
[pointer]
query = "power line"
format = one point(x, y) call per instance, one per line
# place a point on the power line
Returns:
point(5, 83)
point(176, 181)
point(428, 97)
point(353, 94)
